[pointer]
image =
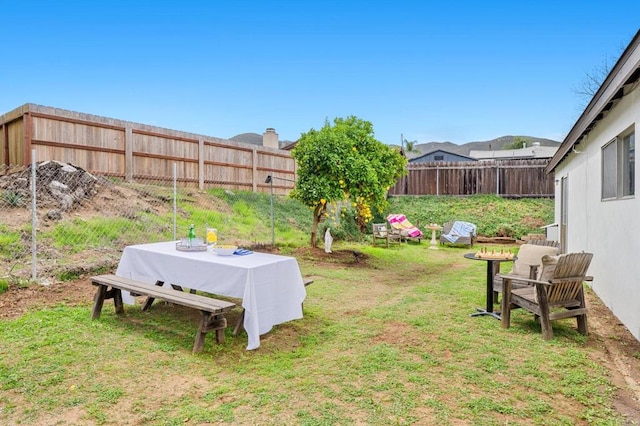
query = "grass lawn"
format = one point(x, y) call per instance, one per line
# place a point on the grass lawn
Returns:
point(386, 340)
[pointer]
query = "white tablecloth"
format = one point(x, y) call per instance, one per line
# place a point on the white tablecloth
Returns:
point(270, 286)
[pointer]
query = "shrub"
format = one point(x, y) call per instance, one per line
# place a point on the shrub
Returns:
point(12, 198)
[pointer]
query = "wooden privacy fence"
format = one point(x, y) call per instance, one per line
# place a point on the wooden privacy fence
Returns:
point(112, 147)
point(507, 178)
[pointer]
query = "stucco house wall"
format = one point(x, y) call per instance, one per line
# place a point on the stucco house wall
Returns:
point(608, 229)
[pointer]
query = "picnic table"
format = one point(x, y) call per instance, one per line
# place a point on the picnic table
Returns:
point(271, 286)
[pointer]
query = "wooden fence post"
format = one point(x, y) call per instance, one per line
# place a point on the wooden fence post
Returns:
point(200, 163)
point(254, 174)
point(26, 130)
point(5, 137)
point(128, 153)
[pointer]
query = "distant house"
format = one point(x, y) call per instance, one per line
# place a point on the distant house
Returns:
point(531, 152)
point(595, 173)
point(440, 155)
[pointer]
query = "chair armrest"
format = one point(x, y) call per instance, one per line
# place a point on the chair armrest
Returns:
point(555, 280)
point(512, 277)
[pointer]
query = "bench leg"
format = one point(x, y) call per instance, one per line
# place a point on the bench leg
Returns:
point(209, 322)
point(147, 303)
point(101, 294)
point(98, 301)
point(117, 300)
point(198, 345)
point(219, 323)
point(240, 324)
point(179, 288)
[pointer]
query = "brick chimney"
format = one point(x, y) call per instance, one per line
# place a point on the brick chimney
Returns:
point(270, 138)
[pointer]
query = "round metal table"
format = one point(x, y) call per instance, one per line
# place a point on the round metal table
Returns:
point(493, 266)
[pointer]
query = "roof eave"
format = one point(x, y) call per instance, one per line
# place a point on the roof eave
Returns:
point(617, 78)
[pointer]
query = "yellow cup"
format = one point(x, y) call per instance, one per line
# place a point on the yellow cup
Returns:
point(212, 236)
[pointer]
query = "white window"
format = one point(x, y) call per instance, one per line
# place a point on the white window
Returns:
point(628, 164)
point(618, 167)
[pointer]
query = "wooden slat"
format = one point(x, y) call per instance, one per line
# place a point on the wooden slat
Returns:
point(194, 301)
point(76, 146)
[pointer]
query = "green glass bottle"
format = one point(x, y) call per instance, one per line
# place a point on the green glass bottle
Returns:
point(192, 234)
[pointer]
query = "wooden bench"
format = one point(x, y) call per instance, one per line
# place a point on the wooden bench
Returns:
point(212, 310)
point(240, 324)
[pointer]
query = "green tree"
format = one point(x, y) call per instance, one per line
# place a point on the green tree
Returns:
point(517, 143)
point(409, 146)
point(344, 161)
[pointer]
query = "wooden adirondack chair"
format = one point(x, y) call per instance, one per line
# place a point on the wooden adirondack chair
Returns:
point(558, 293)
point(380, 231)
point(548, 243)
point(527, 265)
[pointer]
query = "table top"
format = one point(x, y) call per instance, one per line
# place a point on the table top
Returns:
point(271, 286)
point(472, 256)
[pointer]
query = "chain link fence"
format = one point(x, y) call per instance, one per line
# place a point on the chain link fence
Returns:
point(72, 222)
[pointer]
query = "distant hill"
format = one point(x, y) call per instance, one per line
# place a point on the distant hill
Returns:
point(255, 139)
point(424, 148)
point(465, 149)
point(252, 138)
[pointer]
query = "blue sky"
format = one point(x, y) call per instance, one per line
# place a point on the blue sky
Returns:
point(432, 71)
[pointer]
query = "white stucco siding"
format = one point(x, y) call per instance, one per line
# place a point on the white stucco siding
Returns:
point(608, 229)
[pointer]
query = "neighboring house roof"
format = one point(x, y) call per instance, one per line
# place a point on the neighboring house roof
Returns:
point(421, 158)
point(619, 82)
point(289, 145)
point(536, 151)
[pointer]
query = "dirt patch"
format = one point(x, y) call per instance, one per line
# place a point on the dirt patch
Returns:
point(617, 349)
point(19, 300)
point(340, 258)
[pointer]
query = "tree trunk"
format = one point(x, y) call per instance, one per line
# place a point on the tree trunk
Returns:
point(317, 218)
point(314, 231)
point(362, 226)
